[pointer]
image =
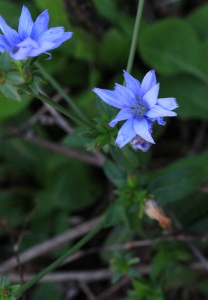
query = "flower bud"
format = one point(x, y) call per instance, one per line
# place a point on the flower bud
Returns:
point(155, 212)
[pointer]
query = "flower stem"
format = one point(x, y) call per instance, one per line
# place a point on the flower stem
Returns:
point(135, 36)
point(56, 263)
point(58, 88)
point(58, 107)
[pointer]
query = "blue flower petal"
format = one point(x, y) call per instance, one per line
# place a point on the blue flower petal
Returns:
point(109, 97)
point(148, 82)
point(159, 111)
point(126, 133)
point(123, 114)
point(133, 84)
point(141, 128)
point(168, 103)
point(25, 23)
point(125, 95)
point(150, 98)
point(10, 34)
point(55, 36)
point(40, 25)
point(4, 45)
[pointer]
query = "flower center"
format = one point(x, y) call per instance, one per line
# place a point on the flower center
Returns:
point(15, 49)
point(139, 110)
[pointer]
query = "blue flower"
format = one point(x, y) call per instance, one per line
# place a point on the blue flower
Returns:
point(32, 38)
point(140, 106)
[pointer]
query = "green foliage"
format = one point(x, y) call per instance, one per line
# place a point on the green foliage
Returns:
point(175, 185)
point(46, 290)
point(145, 291)
point(56, 187)
point(170, 46)
point(122, 263)
point(7, 290)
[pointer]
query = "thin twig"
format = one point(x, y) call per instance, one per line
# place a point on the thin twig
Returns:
point(55, 147)
point(50, 245)
point(197, 253)
point(114, 288)
point(88, 276)
point(85, 288)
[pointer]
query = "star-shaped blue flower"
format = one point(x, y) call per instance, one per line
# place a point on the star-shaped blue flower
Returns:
point(32, 38)
point(140, 106)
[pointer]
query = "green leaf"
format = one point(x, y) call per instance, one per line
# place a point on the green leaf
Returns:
point(33, 87)
point(105, 108)
point(108, 55)
point(10, 91)
point(76, 138)
point(114, 173)
point(170, 46)
point(198, 20)
point(9, 107)
point(114, 215)
point(5, 61)
point(175, 185)
point(107, 9)
point(15, 78)
point(125, 157)
point(190, 93)
point(46, 291)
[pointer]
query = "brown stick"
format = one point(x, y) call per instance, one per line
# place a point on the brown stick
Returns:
point(49, 245)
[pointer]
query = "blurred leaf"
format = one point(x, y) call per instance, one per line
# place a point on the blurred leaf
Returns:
point(114, 57)
point(9, 107)
point(69, 186)
point(125, 157)
point(107, 9)
point(9, 91)
point(201, 225)
point(118, 235)
point(76, 139)
point(15, 78)
point(114, 215)
point(190, 93)
point(114, 173)
point(105, 108)
point(5, 61)
point(198, 20)
point(170, 46)
point(175, 185)
point(10, 11)
point(46, 291)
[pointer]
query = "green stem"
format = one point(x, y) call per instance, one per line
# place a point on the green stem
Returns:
point(56, 263)
point(57, 107)
point(135, 36)
point(59, 89)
